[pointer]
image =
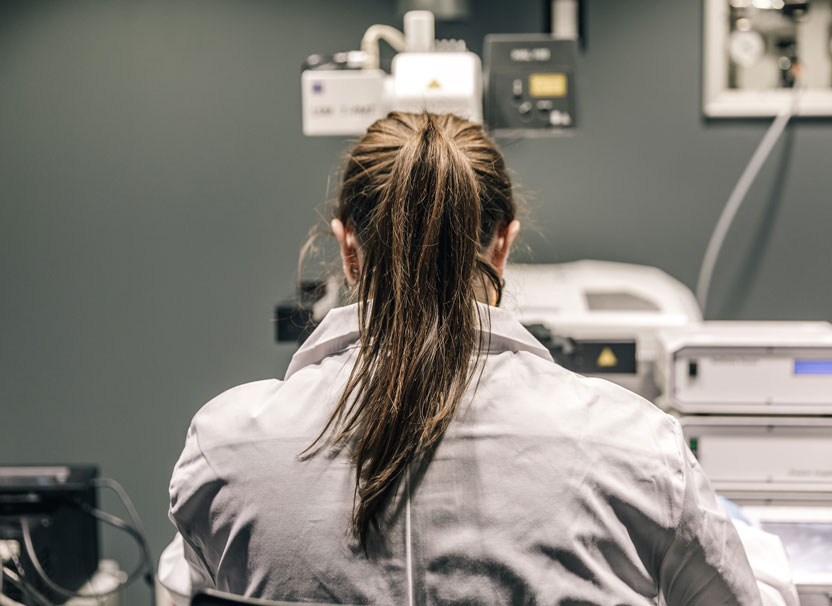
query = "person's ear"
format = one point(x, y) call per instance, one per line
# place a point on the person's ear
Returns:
point(349, 249)
point(503, 240)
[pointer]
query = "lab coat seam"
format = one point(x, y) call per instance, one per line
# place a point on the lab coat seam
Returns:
point(202, 453)
point(217, 477)
point(675, 521)
point(409, 544)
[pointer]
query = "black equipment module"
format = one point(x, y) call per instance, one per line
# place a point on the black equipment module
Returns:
point(49, 500)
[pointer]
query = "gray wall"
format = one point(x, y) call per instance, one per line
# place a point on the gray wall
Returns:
point(155, 188)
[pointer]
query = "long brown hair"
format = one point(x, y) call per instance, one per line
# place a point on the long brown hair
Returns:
point(425, 195)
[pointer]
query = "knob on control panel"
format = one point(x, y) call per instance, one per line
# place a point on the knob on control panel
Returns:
point(517, 87)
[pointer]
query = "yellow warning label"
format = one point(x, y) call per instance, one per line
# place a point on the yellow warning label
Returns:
point(434, 84)
point(606, 359)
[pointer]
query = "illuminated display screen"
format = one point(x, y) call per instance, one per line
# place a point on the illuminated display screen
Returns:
point(547, 85)
point(813, 367)
point(809, 545)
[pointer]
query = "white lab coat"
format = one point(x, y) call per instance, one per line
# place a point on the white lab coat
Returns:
point(548, 488)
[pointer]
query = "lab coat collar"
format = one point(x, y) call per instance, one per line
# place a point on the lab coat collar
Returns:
point(339, 331)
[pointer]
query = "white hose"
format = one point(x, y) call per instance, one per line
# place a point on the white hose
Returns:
point(737, 196)
point(369, 43)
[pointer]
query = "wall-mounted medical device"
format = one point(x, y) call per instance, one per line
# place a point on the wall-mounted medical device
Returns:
point(344, 94)
point(757, 51)
point(530, 84)
point(747, 368)
point(598, 317)
point(530, 78)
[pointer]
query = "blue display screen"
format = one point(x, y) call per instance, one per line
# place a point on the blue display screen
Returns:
point(813, 367)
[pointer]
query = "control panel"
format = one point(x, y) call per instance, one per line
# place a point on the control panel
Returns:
point(530, 84)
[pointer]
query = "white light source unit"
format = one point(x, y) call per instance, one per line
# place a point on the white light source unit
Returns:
point(439, 82)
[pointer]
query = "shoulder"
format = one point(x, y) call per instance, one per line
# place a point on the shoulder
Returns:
point(593, 417)
point(612, 406)
point(556, 399)
point(227, 413)
point(240, 396)
point(630, 422)
point(221, 420)
point(262, 411)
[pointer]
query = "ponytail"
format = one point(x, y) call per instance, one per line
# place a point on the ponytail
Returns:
point(424, 194)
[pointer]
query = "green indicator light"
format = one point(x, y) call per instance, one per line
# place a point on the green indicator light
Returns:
point(694, 444)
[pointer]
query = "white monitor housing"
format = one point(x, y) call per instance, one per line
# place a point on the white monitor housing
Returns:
point(602, 302)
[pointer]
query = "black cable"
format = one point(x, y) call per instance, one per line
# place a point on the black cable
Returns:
point(26, 588)
point(15, 579)
point(21, 573)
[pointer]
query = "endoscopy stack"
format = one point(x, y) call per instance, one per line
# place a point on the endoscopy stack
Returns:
point(49, 539)
point(755, 402)
point(41, 508)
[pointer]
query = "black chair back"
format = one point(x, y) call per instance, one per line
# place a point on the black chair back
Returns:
point(212, 597)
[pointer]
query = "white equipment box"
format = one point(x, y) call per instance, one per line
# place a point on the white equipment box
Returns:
point(747, 368)
point(748, 457)
point(602, 307)
point(342, 101)
point(779, 469)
